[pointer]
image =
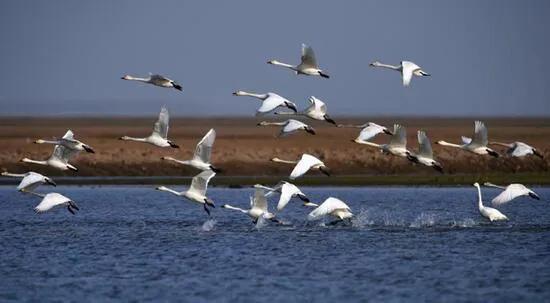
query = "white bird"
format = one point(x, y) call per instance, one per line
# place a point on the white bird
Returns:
point(488, 212)
point(478, 145)
point(59, 158)
point(306, 163)
point(317, 110)
point(52, 200)
point(159, 137)
point(201, 158)
point(308, 65)
point(425, 153)
point(31, 180)
point(197, 191)
point(270, 101)
point(369, 130)
point(258, 206)
point(287, 191)
point(333, 207)
point(69, 142)
point(519, 149)
point(289, 126)
point(406, 68)
point(157, 80)
point(511, 192)
point(397, 145)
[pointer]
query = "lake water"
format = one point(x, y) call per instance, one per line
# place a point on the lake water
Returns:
point(405, 244)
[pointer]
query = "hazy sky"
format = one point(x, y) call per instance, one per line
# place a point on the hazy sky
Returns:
point(67, 57)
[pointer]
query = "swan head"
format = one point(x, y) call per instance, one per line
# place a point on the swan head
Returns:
point(25, 160)
point(375, 63)
point(124, 138)
point(239, 93)
point(273, 62)
point(263, 123)
point(476, 184)
point(39, 141)
point(126, 77)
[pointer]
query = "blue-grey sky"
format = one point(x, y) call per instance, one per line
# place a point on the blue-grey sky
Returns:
point(67, 57)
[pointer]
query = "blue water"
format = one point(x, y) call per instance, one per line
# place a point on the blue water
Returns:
point(405, 244)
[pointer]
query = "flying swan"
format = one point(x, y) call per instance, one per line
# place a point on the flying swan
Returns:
point(519, 149)
point(397, 145)
point(52, 200)
point(258, 206)
point(270, 101)
point(157, 80)
point(317, 110)
point(59, 158)
point(201, 158)
point(406, 68)
point(425, 153)
point(308, 66)
point(478, 145)
point(287, 191)
point(369, 130)
point(490, 213)
point(68, 141)
point(197, 191)
point(289, 126)
point(511, 192)
point(31, 181)
point(333, 207)
point(306, 163)
point(159, 137)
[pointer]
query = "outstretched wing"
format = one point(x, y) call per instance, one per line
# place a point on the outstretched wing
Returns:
point(466, 140)
point(204, 147)
point(287, 191)
point(521, 149)
point(306, 162)
point(480, 134)
point(270, 103)
point(200, 182)
point(159, 78)
point(308, 56)
point(161, 126)
point(50, 201)
point(292, 126)
point(370, 131)
point(425, 147)
point(331, 204)
point(511, 192)
point(399, 137)
point(30, 181)
point(408, 69)
point(62, 153)
point(260, 200)
point(319, 105)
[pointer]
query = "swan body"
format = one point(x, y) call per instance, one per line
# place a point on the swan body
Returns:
point(30, 181)
point(397, 145)
point(155, 79)
point(305, 163)
point(369, 130)
point(270, 101)
point(317, 110)
point(407, 69)
point(511, 192)
point(332, 207)
point(53, 200)
point(519, 149)
point(258, 206)
point(201, 158)
point(425, 153)
point(197, 191)
point(478, 145)
point(287, 191)
point(290, 126)
point(68, 141)
point(488, 212)
point(159, 136)
point(59, 158)
point(308, 65)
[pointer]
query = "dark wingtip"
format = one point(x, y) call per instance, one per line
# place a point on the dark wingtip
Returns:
point(534, 196)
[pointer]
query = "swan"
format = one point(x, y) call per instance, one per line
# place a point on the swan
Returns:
point(397, 145)
point(406, 68)
point(425, 153)
point(197, 191)
point(157, 80)
point(287, 191)
point(290, 126)
point(52, 200)
point(159, 137)
point(59, 158)
point(317, 110)
point(69, 142)
point(270, 101)
point(308, 65)
point(31, 180)
point(333, 207)
point(519, 149)
point(201, 158)
point(478, 145)
point(511, 192)
point(258, 206)
point(369, 130)
point(488, 212)
point(306, 163)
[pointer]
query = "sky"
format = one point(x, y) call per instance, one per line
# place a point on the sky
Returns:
point(486, 58)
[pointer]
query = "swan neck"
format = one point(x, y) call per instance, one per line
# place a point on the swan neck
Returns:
point(235, 208)
point(40, 141)
point(169, 190)
point(368, 143)
point(479, 202)
point(131, 78)
point(259, 96)
point(283, 161)
point(35, 161)
point(394, 67)
point(445, 143)
point(13, 175)
point(134, 139)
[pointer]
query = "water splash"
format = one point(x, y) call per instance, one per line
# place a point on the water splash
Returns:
point(362, 219)
point(261, 223)
point(208, 225)
point(389, 220)
point(423, 220)
point(468, 222)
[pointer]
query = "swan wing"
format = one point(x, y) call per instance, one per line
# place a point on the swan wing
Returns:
point(308, 57)
point(511, 192)
point(466, 140)
point(161, 126)
point(319, 105)
point(270, 103)
point(62, 153)
point(204, 147)
point(370, 131)
point(408, 68)
point(306, 162)
point(331, 204)
point(287, 191)
point(200, 182)
point(480, 134)
point(159, 78)
point(50, 201)
point(425, 147)
point(399, 137)
point(521, 149)
point(69, 135)
point(260, 201)
point(293, 125)
point(31, 181)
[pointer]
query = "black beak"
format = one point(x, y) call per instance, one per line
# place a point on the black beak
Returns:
point(534, 196)
point(70, 209)
point(234, 93)
point(122, 78)
point(73, 205)
point(310, 130)
point(329, 120)
point(325, 170)
point(49, 181)
point(292, 107)
point(536, 153)
point(120, 138)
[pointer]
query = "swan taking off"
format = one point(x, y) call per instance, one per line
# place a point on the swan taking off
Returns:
point(478, 145)
point(258, 206)
point(289, 126)
point(157, 80)
point(519, 149)
point(488, 212)
point(287, 191)
point(197, 191)
point(201, 158)
point(369, 130)
point(511, 192)
point(270, 101)
point(52, 200)
point(159, 137)
point(317, 110)
point(425, 153)
point(333, 207)
point(406, 68)
point(59, 158)
point(306, 163)
point(31, 180)
point(69, 142)
point(397, 145)
point(308, 66)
